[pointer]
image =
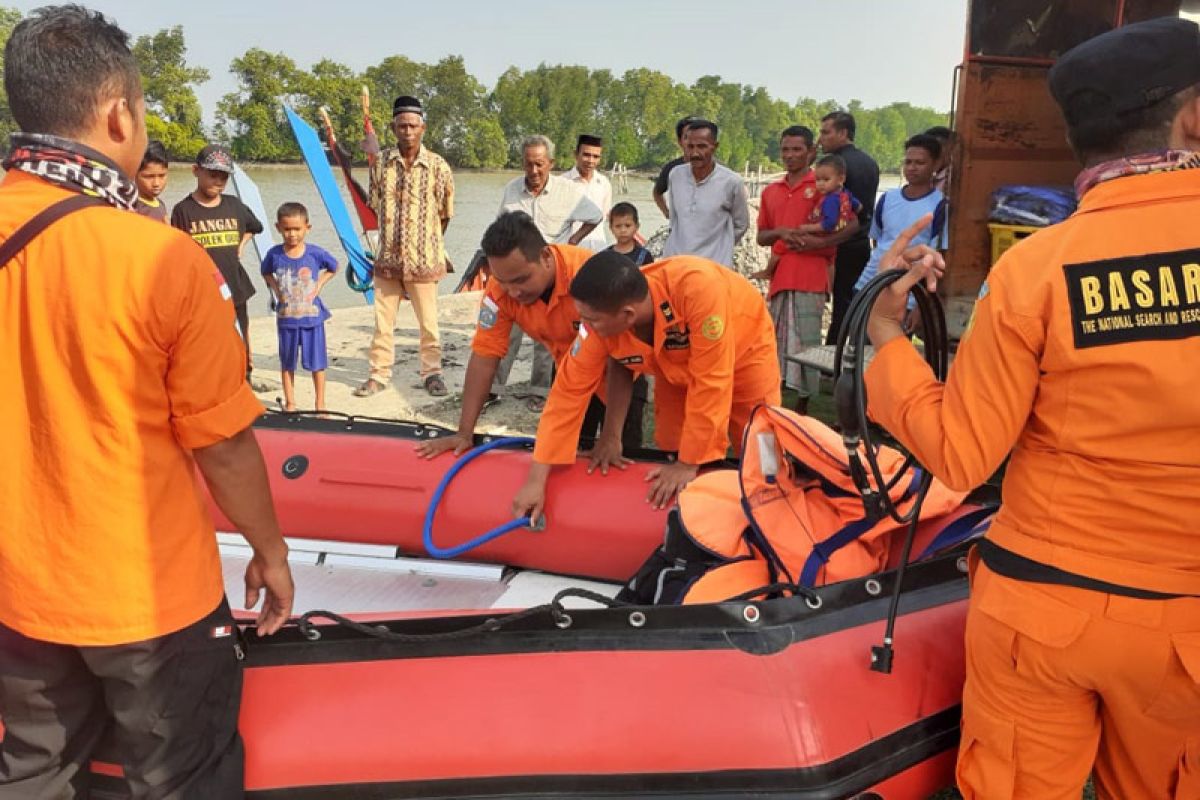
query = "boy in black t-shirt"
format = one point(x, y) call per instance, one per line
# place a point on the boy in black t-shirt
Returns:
point(221, 224)
point(623, 221)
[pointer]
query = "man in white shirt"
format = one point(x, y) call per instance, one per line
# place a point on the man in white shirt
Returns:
point(709, 214)
point(587, 175)
point(556, 205)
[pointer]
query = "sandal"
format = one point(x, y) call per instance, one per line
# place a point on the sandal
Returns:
point(436, 386)
point(370, 386)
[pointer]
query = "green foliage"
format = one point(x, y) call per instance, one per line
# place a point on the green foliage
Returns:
point(634, 112)
point(9, 17)
point(251, 119)
point(172, 111)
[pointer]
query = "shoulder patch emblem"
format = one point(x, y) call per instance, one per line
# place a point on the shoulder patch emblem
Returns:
point(713, 328)
point(487, 313)
point(579, 339)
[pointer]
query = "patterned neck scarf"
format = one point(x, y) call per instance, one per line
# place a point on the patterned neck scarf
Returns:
point(1142, 164)
point(71, 165)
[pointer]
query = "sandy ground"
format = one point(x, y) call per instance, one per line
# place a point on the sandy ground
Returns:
point(348, 338)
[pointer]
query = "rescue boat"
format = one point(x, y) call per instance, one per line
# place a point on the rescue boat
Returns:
point(485, 679)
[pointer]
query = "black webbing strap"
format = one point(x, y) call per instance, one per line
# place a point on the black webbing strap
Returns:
point(25, 234)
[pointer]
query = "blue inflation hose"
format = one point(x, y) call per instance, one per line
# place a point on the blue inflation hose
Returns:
point(436, 500)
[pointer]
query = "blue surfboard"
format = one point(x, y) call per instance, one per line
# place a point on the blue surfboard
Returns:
point(322, 175)
point(247, 191)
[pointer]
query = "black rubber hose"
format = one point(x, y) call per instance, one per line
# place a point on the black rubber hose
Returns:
point(850, 398)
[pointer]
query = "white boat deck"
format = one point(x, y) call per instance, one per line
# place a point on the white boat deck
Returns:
point(349, 578)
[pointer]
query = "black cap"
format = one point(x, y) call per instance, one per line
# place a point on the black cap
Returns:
point(1126, 70)
point(407, 104)
point(215, 157)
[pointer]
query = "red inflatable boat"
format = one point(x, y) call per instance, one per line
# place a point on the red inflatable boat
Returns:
point(490, 698)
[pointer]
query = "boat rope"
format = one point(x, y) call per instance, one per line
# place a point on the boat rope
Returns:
point(770, 589)
point(556, 610)
point(434, 502)
point(859, 435)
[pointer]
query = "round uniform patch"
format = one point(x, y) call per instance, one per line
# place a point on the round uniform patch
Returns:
point(487, 318)
point(809, 192)
point(713, 328)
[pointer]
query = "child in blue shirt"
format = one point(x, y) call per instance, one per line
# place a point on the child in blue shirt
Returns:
point(296, 272)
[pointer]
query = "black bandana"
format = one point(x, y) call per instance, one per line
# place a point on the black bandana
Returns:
point(72, 165)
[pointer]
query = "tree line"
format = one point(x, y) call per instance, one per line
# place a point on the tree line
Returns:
point(472, 126)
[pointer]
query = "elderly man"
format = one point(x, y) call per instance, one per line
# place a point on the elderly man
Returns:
point(412, 191)
point(589, 150)
point(709, 213)
point(117, 388)
point(1083, 632)
point(565, 215)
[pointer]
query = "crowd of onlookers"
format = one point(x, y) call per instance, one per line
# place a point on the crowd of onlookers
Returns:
point(824, 220)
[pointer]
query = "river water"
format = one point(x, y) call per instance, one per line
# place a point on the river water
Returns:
point(476, 201)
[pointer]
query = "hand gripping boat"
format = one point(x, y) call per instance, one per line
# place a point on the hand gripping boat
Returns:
point(504, 686)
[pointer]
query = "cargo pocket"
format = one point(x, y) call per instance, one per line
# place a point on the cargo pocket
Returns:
point(207, 681)
point(987, 766)
point(1032, 614)
point(1187, 782)
point(1178, 699)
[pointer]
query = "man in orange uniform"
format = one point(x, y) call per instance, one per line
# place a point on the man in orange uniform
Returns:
point(703, 332)
point(529, 286)
point(122, 372)
point(1083, 636)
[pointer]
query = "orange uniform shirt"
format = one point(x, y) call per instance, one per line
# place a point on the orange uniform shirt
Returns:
point(712, 331)
point(1083, 359)
point(553, 324)
point(118, 353)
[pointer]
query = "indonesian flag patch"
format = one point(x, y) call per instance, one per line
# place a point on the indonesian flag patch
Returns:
point(222, 285)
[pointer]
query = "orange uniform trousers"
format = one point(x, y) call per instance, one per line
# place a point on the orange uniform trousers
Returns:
point(1062, 681)
point(761, 387)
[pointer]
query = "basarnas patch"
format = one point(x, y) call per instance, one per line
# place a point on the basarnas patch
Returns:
point(1155, 297)
point(712, 328)
point(676, 339)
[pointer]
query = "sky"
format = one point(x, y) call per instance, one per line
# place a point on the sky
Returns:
point(877, 51)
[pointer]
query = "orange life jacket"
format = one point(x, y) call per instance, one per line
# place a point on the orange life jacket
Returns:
point(792, 511)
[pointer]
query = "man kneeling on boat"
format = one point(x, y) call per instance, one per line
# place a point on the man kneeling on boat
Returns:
point(704, 333)
point(528, 288)
point(1083, 632)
